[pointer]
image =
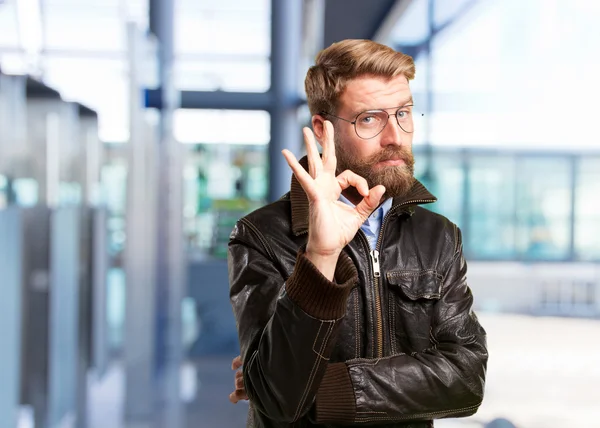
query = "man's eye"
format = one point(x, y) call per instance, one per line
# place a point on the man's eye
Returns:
point(370, 119)
point(403, 114)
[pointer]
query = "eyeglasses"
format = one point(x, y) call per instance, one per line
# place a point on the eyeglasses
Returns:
point(369, 124)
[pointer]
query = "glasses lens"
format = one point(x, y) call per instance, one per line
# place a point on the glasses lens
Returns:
point(370, 123)
point(406, 119)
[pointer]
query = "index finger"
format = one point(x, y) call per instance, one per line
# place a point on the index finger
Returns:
point(303, 177)
point(329, 160)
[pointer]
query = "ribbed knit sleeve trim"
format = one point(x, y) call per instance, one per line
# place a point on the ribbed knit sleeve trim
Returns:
point(335, 401)
point(315, 294)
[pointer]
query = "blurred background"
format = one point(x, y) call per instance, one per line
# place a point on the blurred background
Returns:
point(133, 134)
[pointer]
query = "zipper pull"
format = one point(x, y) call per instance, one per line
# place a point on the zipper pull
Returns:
point(375, 263)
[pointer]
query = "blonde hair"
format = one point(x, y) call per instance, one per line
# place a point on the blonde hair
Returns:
point(347, 60)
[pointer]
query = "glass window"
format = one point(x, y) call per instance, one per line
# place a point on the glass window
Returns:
point(223, 46)
point(446, 11)
point(413, 26)
point(100, 84)
point(9, 36)
point(223, 74)
point(26, 191)
point(243, 31)
point(491, 70)
point(222, 182)
point(543, 208)
point(587, 210)
point(3, 192)
point(490, 233)
point(222, 126)
point(225, 175)
point(84, 27)
point(445, 179)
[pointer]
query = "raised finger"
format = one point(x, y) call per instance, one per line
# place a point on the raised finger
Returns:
point(370, 202)
point(349, 178)
point(315, 165)
point(329, 159)
point(236, 363)
point(304, 178)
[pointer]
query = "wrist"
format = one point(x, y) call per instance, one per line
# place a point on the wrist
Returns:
point(325, 263)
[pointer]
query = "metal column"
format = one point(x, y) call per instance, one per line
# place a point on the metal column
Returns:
point(429, 178)
point(286, 51)
point(11, 269)
point(171, 263)
point(139, 256)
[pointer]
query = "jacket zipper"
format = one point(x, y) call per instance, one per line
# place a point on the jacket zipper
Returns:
point(378, 310)
point(375, 264)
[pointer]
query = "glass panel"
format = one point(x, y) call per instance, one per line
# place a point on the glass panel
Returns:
point(543, 208)
point(222, 126)
point(13, 63)
point(9, 36)
point(413, 26)
point(115, 307)
point(100, 84)
point(491, 229)
point(445, 180)
point(587, 209)
point(3, 192)
point(244, 31)
point(114, 184)
point(223, 74)
point(222, 183)
point(25, 191)
point(445, 11)
point(506, 48)
point(223, 46)
point(96, 27)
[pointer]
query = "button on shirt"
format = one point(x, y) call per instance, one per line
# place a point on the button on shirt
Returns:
point(372, 224)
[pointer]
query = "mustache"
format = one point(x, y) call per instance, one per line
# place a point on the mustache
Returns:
point(392, 153)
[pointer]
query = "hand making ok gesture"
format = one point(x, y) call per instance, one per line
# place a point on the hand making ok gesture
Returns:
point(332, 223)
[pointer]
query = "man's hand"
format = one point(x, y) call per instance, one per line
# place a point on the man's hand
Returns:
point(332, 223)
point(240, 392)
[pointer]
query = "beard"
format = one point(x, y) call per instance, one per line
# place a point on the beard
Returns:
point(397, 180)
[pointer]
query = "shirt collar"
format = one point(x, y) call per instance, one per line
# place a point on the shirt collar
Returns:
point(383, 208)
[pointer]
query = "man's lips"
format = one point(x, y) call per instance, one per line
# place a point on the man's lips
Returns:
point(391, 162)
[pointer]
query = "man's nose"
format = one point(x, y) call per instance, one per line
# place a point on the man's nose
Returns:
point(392, 134)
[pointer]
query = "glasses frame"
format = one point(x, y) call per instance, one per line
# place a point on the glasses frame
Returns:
point(384, 110)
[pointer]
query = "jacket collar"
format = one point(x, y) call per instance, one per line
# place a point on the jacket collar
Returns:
point(417, 195)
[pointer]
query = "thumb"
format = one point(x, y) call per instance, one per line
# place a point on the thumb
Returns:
point(370, 202)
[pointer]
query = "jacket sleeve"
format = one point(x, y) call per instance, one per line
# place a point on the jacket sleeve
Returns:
point(287, 327)
point(442, 381)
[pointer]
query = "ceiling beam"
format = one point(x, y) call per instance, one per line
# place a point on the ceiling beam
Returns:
point(355, 19)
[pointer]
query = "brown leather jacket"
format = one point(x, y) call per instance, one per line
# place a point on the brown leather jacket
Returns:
point(392, 342)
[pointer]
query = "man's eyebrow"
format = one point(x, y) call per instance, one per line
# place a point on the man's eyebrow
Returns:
point(409, 101)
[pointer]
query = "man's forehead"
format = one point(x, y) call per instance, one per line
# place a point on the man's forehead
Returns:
point(375, 92)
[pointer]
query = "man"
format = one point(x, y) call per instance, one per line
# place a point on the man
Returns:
point(351, 299)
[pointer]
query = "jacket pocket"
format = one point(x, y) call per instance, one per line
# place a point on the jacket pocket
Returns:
point(412, 295)
point(415, 285)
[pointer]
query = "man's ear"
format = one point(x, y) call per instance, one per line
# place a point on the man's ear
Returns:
point(318, 125)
